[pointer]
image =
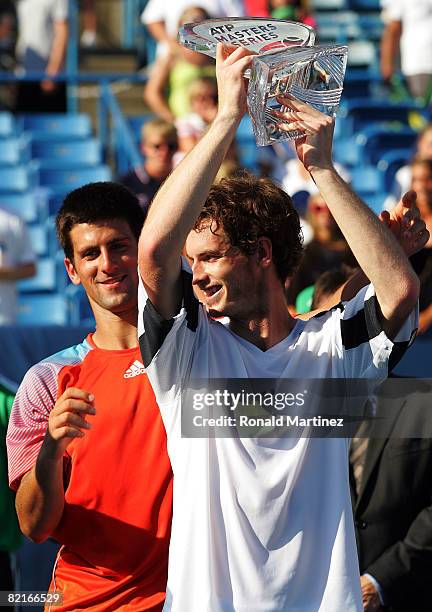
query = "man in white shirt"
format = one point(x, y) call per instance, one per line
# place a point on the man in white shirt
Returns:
point(408, 27)
point(260, 523)
point(17, 261)
point(162, 18)
point(41, 47)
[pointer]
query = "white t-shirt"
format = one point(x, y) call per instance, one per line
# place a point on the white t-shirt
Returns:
point(15, 249)
point(170, 11)
point(36, 20)
point(260, 525)
point(416, 39)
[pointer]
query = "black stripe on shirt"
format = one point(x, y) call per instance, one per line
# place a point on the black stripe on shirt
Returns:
point(362, 327)
point(156, 328)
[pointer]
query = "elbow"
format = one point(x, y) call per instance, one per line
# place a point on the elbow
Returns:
point(406, 298)
point(31, 531)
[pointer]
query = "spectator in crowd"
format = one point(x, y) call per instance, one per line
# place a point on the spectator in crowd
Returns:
point(17, 261)
point(407, 27)
point(89, 34)
point(86, 444)
point(278, 509)
point(159, 144)
point(162, 18)
point(7, 35)
point(422, 262)
point(292, 10)
point(42, 42)
point(203, 102)
point(167, 89)
point(402, 179)
point(327, 248)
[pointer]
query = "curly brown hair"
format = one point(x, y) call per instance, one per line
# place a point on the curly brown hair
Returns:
point(247, 208)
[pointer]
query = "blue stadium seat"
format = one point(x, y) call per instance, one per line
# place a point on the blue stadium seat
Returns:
point(68, 153)
point(365, 5)
point(366, 180)
point(32, 206)
point(389, 164)
point(362, 53)
point(18, 178)
point(14, 151)
point(50, 277)
point(43, 310)
point(329, 5)
point(39, 239)
point(377, 140)
point(61, 181)
point(347, 152)
point(57, 126)
point(359, 113)
point(7, 125)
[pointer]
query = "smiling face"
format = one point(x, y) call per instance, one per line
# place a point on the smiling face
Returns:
point(105, 264)
point(225, 280)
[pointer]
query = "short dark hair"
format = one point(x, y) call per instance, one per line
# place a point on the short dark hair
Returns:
point(97, 202)
point(329, 282)
point(248, 208)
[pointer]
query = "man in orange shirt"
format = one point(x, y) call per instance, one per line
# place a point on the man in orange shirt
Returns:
point(86, 443)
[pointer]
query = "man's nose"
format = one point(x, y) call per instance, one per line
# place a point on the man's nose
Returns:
point(198, 273)
point(109, 261)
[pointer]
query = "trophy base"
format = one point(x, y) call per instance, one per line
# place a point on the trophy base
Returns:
point(311, 74)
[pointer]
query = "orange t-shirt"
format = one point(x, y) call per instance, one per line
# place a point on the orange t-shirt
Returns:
point(116, 521)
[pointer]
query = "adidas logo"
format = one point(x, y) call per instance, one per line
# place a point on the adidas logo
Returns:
point(135, 369)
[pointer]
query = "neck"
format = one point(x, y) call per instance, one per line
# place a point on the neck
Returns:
point(115, 332)
point(267, 327)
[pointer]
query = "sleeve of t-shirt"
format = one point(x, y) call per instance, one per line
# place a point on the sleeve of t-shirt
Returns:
point(154, 11)
point(394, 11)
point(167, 346)
point(61, 10)
point(367, 351)
point(28, 422)
point(23, 251)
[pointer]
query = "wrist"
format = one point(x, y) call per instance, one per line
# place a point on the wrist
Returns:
point(322, 172)
point(51, 450)
point(226, 121)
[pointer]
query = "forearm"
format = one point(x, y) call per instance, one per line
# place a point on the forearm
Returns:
point(158, 31)
point(155, 99)
point(40, 497)
point(373, 245)
point(389, 48)
point(14, 273)
point(58, 51)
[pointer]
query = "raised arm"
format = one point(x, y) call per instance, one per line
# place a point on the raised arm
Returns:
point(179, 201)
point(372, 243)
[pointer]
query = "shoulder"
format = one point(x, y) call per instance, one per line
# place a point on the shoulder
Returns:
point(43, 376)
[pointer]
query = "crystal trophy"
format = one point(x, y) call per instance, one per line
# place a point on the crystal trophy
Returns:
point(285, 61)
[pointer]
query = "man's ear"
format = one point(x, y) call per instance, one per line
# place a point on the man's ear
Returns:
point(70, 269)
point(264, 252)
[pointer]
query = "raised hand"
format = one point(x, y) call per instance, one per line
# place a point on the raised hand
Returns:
point(314, 149)
point(67, 419)
point(405, 223)
point(231, 63)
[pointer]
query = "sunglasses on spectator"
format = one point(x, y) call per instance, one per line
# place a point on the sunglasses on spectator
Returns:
point(157, 146)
